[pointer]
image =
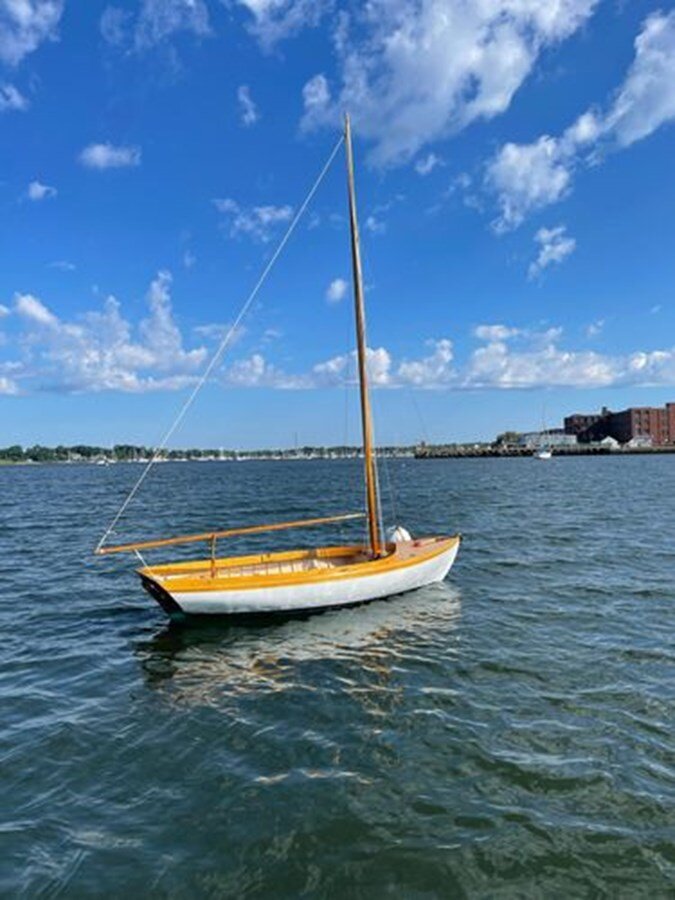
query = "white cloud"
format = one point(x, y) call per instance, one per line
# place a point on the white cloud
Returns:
point(425, 165)
point(24, 25)
point(11, 99)
point(342, 369)
point(415, 71)
point(271, 334)
point(257, 222)
point(554, 246)
point(156, 22)
point(4, 311)
point(434, 370)
point(528, 177)
point(159, 19)
point(102, 351)
point(98, 351)
point(594, 329)
point(108, 156)
point(646, 100)
point(216, 332)
point(33, 309)
point(255, 371)
point(38, 191)
point(336, 290)
point(495, 332)
point(541, 363)
point(316, 98)
point(275, 20)
point(162, 336)
point(247, 109)
point(508, 359)
point(63, 264)
point(8, 387)
point(374, 225)
point(189, 259)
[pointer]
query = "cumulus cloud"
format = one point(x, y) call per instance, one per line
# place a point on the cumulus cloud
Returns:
point(38, 191)
point(537, 362)
point(34, 310)
point(99, 351)
point(108, 156)
point(11, 99)
point(336, 290)
point(554, 246)
point(415, 71)
point(527, 177)
point(257, 222)
point(255, 371)
point(433, 370)
point(342, 369)
point(248, 111)
point(4, 311)
point(508, 359)
point(24, 25)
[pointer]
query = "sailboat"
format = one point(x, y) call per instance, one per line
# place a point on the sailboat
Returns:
point(544, 450)
point(304, 580)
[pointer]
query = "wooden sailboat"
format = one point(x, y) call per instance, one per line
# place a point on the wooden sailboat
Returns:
point(311, 579)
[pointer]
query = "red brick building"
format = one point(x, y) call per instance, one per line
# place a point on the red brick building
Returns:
point(650, 423)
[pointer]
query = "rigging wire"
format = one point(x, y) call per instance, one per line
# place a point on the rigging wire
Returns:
point(217, 356)
point(423, 424)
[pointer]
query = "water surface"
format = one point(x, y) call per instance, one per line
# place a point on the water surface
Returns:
point(508, 733)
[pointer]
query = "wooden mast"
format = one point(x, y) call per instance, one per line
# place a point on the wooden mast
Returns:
point(366, 420)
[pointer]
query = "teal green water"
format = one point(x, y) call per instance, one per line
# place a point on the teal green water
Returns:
point(508, 733)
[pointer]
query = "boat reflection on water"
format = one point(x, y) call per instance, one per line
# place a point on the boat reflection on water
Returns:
point(197, 664)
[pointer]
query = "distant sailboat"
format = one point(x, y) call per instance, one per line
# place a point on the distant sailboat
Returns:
point(543, 451)
point(305, 579)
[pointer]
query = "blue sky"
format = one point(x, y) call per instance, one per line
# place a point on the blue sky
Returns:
point(514, 175)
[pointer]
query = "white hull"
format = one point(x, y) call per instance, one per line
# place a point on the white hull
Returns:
point(320, 595)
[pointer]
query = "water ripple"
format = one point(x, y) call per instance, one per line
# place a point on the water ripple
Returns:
point(508, 733)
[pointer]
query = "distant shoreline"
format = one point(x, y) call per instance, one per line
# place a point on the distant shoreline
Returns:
point(319, 455)
point(125, 453)
point(523, 452)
